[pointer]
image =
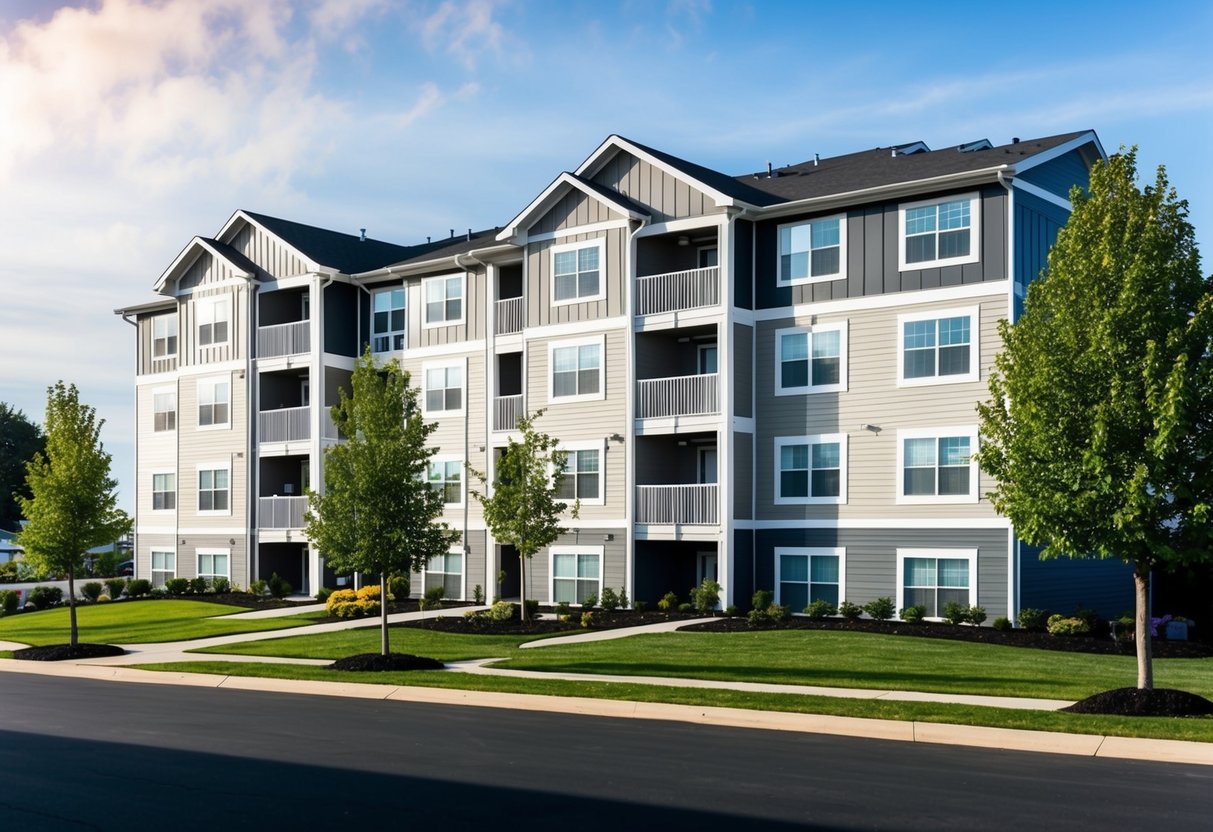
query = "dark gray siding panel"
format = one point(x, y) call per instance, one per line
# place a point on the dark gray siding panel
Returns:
point(341, 319)
point(1059, 175)
point(743, 264)
point(743, 567)
point(1063, 585)
point(743, 475)
point(1036, 225)
point(743, 364)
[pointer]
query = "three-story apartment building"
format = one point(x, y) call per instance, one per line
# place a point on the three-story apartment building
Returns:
point(769, 379)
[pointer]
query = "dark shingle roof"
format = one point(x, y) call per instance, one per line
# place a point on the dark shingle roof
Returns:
point(613, 196)
point(232, 256)
point(736, 187)
point(451, 246)
point(347, 253)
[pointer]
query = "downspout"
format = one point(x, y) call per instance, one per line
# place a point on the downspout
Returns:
point(467, 415)
point(318, 395)
point(251, 474)
point(629, 452)
point(1013, 560)
point(135, 526)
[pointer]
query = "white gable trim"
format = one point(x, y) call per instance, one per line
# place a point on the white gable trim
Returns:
point(599, 157)
point(192, 251)
point(312, 265)
point(1061, 150)
point(554, 192)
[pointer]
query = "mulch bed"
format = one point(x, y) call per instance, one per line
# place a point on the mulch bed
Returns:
point(542, 626)
point(379, 663)
point(1137, 702)
point(64, 652)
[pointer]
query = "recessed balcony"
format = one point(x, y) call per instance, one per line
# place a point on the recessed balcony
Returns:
point(678, 505)
point(508, 316)
point(506, 410)
point(284, 339)
point(693, 395)
point(281, 512)
point(678, 291)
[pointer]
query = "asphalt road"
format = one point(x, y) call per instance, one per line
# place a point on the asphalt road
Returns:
point(83, 754)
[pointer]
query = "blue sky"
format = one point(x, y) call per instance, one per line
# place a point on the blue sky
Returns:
point(129, 127)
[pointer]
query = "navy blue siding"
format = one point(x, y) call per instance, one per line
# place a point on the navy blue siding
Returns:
point(743, 264)
point(340, 319)
point(1036, 225)
point(1064, 584)
point(743, 567)
point(1059, 175)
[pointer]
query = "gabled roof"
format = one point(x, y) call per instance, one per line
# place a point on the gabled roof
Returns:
point(198, 246)
point(346, 253)
point(733, 187)
point(556, 191)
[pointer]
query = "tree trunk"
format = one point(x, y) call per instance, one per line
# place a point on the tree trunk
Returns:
point(1141, 635)
point(522, 583)
point(383, 646)
point(71, 605)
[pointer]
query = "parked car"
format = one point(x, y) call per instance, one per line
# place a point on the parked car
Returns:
point(126, 569)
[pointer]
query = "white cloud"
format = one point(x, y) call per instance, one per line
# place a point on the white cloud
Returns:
point(463, 30)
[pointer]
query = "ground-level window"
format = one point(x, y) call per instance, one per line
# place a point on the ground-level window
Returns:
point(445, 571)
point(803, 576)
point(214, 563)
point(164, 566)
point(576, 574)
point(934, 578)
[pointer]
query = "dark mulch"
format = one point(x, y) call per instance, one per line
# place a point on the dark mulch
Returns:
point(378, 663)
point(516, 627)
point(1137, 702)
point(244, 599)
point(64, 652)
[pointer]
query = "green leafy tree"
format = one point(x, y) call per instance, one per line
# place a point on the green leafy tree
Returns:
point(73, 502)
point(522, 509)
point(378, 513)
point(20, 439)
point(1100, 427)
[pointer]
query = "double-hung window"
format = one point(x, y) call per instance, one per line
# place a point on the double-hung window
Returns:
point(576, 369)
point(577, 272)
point(164, 336)
point(576, 574)
point(164, 410)
point(214, 401)
point(213, 490)
point(582, 479)
point(803, 576)
point(938, 347)
point(214, 563)
point(939, 232)
point(936, 465)
point(811, 469)
point(811, 360)
point(446, 477)
point(933, 578)
point(812, 250)
point(387, 320)
point(213, 316)
point(164, 566)
point(444, 388)
point(445, 571)
point(164, 492)
point(443, 300)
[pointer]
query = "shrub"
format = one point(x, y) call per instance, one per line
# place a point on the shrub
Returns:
point(8, 602)
point(820, 608)
point(115, 586)
point(370, 592)
point(975, 615)
point(685, 607)
point(881, 609)
point(257, 588)
point(338, 599)
point(103, 598)
point(501, 611)
point(1002, 624)
point(138, 587)
point(323, 595)
point(587, 619)
point(1032, 619)
point(563, 609)
point(762, 599)
point(731, 611)
point(914, 614)
point(609, 600)
point(955, 612)
point(1095, 622)
point(432, 598)
point(777, 612)
point(1060, 625)
point(278, 586)
point(45, 597)
point(640, 606)
point(623, 598)
point(199, 586)
point(758, 618)
point(706, 596)
point(398, 587)
point(91, 590)
point(177, 586)
point(477, 594)
point(590, 601)
point(346, 603)
point(8, 572)
point(850, 611)
point(106, 565)
point(668, 602)
point(221, 585)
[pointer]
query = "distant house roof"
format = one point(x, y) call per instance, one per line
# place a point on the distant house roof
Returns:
point(347, 253)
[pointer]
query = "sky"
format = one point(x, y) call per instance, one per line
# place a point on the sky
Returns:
point(129, 126)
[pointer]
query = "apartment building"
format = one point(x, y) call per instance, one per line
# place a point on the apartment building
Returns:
point(769, 379)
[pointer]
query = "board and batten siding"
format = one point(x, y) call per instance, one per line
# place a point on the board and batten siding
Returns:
point(236, 346)
point(743, 475)
point(147, 364)
point(268, 252)
point(539, 291)
point(573, 210)
point(667, 196)
point(1058, 175)
point(475, 308)
point(743, 382)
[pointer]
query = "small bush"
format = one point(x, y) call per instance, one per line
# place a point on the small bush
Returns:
point(138, 587)
point(8, 572)
point(45, 597)
point(849, 611)
point(609, 600)
point(914, 614)
point(398, 587)
point(668, 602)
point(477, 594)
point(731, 611)
point(199, 586)
point(346, 603)
point(323, 595)
point(881, 609)
point(623, 598)
point(820, 608)
point(758, 618)
point(706, 597)
point(278, 586)
point(1002, 624)
point(777, 612)
point(1033, 619)
point(115, 586)
point(221, 586)
point(762, 599)
point(955, 613)
point(685, 607)
point(501, 611)
point(103, 598)
point(8, 602)
point(590, 601)
point(563, 609)
point(177, 586)
point(91, 590)
point(1060, 625)
point(587, 619)
point(256, 588)
point(640, 606)
point(975, 615)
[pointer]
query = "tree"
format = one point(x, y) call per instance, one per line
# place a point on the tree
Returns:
point(73, 502)
point(20, 439)
point(1100, 427)
point(378, 513)
point(522, 508)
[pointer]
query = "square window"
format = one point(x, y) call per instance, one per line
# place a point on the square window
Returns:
point(444, 389)
point(164, 492)
point(810, 469)
point(576, 370)
point(933, 579)
point(164, 411)
point(577, 272)
point(213, 316)
point(387, 320)
point(164, 566)
point(939, 233)
point(937, 466)
point(445, 571)
point(446, 476)
point(214, 564)
point(938, 348)
point(811, 360)
point(811, 250)
point(443, 300)
point(576, 575)
point(581, 478)
point(214, 401)
point(807, 575)
point(213, 491)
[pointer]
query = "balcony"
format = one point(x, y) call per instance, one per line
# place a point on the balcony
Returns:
point(506, 410)
point(678, 291)
point(508, 316)
point(288, 424)
point(689, 505)
point(697, 395)
point(281, 512)
point(284, 339)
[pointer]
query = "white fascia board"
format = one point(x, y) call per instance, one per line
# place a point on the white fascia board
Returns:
point(1062, 149)
point(193, 249)
point(446, 263)
point(555, 191)
point(613, 142)
point(312, 265)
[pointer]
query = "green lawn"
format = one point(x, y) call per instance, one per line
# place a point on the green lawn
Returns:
point(137, 622)
point(447, 647)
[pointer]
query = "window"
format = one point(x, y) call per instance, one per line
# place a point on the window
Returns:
point(811, 469)
point(446, 476)
point(164, 336)
point(213, 403)
point(213, 315)
point(164, 566)
point(707, 256)
point(938, 347)
point(164, 492)
point(811, 251)
point(936, 465)
point(164, 411)
point(576, 369)
point(803, 576)
point(933, 578)
point(577, 272)
point(387, 320)
point(576, 574)
point(444, 388)
point(443, 300)
point(705, 359)
point(812, 360)
point(213, 490)
point(939, 233)
point(581, 476)
point(214, 563)
point(445, 571)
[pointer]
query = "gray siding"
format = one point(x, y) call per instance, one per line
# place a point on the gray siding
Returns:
point(743, 475)
point(573, 210)
point(614, 561)
point(145, 362)
point(743, 361)
point(540, 310)
point(666, 195)
point(475, 308)
point(267, 251)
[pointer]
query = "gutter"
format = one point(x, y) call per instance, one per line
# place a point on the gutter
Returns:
point(407, 269)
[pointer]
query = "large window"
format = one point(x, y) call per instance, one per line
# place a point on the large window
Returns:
point(577, 272)
point(443, 300)
point(164, 410)
point(938, 347)
point(213, 490)
point(446, 477)
point(445, 571)
point(387, 320)
point(576, 369)
point(939, 232)
point(582, 479)
point(214, 563)
point(803, 576)
point(576, 574)
point(213, 315)
point(937, 465)
point(214, 400)
point(812, 250)
point(932, 578)
point(164, 566)
point(811, 469)
point(164, 336)
point(444, 388)
point(164, 492)
point(812, 360)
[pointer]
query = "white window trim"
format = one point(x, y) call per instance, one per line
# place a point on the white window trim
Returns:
point(948, 554)
point(463, 304)
point(463, 574)
point(937, 433)
point(554, 550)
point(198, 554)
point(176, 491)
point(445, 458)
point(212, 302)
point(814, 551)
point(841, 439)
point(211, 382)
point(841, 274)
point(974, 233)
point(600, 244)
point(600, 340)
point(176, 335)
point(161, 391)
point(589, 445)
point(390, 334)
point(974, 373)
point(841, 327)
point(212, 466)
point(462, 365)
point(151, 561)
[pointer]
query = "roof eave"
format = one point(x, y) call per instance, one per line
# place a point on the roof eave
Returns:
point(408, 269)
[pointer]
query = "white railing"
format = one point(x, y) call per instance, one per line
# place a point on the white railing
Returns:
point(506, 410)
point(330, 427)
point(284, 339)
point(280, 512)
point(289, 424)
point(691, 505)
point(675, 291)
point(507, 316)
point(678, 396)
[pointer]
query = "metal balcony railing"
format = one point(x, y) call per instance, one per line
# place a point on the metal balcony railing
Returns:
point(690, 505)
point(284, 339)
point(677, 291)
point(289, 424)
point(281, 512)
point(696, 395)
point(508, 316)
point(506, 410)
